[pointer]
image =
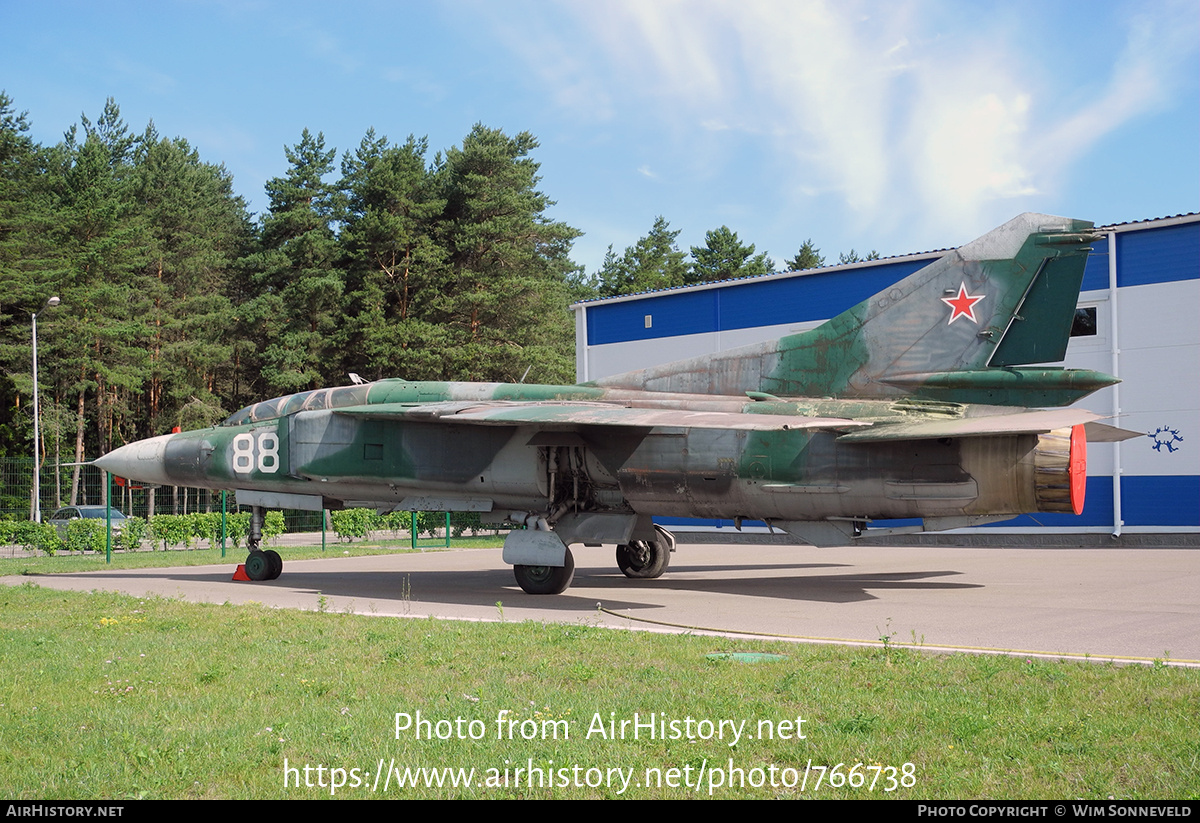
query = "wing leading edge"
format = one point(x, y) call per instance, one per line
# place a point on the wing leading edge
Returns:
point(566, 415)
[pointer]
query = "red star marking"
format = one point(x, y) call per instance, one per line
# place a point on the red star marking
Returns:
point(963, 305)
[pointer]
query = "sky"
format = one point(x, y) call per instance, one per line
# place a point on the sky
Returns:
point(899, 126)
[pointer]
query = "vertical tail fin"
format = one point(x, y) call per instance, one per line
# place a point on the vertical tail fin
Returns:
point(953, 330)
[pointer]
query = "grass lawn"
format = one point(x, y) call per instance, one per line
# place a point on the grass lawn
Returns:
point(109, 696)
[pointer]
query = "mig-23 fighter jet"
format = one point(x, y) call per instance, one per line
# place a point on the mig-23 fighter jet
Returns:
point(911, 404)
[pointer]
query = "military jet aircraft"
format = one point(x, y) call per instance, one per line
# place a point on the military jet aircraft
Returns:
point(911, 404)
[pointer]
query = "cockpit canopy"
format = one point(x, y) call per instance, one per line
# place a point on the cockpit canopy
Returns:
point(317, 399)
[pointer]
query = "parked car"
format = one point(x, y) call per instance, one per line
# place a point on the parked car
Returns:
point(66, 514)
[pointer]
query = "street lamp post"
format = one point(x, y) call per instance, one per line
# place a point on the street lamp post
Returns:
point(36, 507)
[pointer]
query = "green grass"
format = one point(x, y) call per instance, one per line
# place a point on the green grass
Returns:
point(71, 563)
point(108, 696)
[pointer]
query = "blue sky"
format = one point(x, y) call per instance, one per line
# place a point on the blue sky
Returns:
point(897, 126)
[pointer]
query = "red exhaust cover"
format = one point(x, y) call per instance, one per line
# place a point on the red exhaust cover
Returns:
point(1078, 468)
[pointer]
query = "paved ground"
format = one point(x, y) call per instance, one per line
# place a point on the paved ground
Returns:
point(1103, 603)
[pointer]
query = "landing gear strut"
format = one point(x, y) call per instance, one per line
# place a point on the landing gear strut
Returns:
point(261, 565)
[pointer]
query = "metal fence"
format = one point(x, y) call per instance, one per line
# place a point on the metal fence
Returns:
point(60, 486)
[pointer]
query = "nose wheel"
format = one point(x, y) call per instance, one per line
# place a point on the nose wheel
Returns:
point(266, 565)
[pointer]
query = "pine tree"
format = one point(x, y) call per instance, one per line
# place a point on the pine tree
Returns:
point(809, 257)
point(394, 264)
point(851, 256)
point(296, 312)
point(103, 348)
point(504, 300)
point(654, 262)
point(196, 230)
point(724, 257)
point(25, 251)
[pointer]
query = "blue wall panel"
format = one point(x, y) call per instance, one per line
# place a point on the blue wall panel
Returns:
point(809, 297)
point(673, 313)
point(743, 304)
point(1143, 256)
point(1163, 500)
point(1158, 255)
point(1095, 273)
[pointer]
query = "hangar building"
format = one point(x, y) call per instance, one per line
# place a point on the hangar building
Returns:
point(1139, 311)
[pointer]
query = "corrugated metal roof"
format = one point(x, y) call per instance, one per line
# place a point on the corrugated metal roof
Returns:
point(1171, 220)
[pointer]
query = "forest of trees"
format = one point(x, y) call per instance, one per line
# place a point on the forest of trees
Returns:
point(179, 307)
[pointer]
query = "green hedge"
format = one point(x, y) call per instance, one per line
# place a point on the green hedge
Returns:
point(186, 529)
point(29, 535)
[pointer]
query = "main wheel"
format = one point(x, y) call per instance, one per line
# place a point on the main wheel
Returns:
point(276, 564)
point(546, 579)
point(643, 559)
point(258, 566)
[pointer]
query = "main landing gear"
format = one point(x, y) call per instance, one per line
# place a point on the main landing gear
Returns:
point(260, 565)
point(639, 559)
point(646, 559)
point(546, 579)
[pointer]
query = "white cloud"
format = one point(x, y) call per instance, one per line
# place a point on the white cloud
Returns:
point(156, 82)
point(912, 112)
point(419, 81)
point(966, 138)
point(1159, 51)
point(560, 55)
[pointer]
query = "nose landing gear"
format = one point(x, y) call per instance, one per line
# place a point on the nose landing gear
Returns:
point(261, 565)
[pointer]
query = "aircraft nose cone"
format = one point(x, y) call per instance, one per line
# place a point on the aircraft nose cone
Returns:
point(142, 461)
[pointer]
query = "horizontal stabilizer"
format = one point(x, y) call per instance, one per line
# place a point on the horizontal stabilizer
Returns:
point(569, 415)
point(1104, 433)
point(1006, 387)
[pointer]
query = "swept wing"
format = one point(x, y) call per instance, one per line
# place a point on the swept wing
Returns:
point(559, 415)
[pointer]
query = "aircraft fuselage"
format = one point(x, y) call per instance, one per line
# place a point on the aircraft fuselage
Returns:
point(676, 471)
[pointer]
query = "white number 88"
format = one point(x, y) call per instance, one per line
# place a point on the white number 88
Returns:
point(267, 450)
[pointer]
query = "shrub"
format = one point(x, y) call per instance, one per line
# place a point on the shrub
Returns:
point(397, 522)
point(37, 537)
point(461, 521)
point(171, 529)
point(134, 532)
point(273, 526)
point(84, 535)
point(351, 523)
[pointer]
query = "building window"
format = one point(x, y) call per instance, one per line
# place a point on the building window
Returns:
point(1084, 324)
